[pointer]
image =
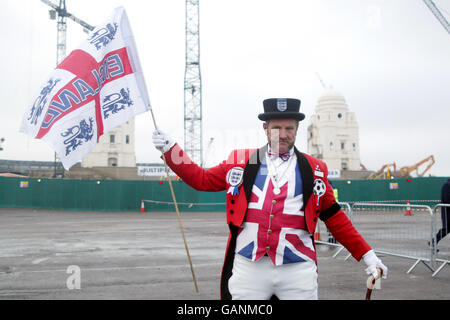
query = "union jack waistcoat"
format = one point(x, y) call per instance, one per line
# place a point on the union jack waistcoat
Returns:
point(274, 224)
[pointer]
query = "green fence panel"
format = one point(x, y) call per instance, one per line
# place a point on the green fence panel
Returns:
point(8, 191)
point(421, 188)
point(126, 195)
point(83, 194)
point(69, 189)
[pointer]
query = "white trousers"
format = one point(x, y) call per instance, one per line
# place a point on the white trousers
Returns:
point(259, 280)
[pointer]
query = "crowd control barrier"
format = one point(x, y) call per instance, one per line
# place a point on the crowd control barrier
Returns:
point(403, 230)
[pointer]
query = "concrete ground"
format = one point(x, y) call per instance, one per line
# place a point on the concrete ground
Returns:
point(47, 254)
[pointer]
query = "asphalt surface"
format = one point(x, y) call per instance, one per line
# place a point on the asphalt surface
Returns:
point(55, 255)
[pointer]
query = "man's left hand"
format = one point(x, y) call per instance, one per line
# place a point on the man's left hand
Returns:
point(373, 262)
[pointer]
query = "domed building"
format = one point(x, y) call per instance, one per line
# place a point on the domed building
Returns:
point(114, 149)
point(333, 134)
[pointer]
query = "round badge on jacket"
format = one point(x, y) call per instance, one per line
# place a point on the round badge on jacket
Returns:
point(235, 176)
point(319, 189)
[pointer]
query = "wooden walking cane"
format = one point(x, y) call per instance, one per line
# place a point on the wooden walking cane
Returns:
point(177, 211)
point(371, 285)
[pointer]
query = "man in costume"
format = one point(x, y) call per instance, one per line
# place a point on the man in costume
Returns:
point(274, 197)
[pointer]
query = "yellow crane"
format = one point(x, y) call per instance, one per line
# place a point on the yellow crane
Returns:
point(381, 174)
point(406, 171)
point(389, 170)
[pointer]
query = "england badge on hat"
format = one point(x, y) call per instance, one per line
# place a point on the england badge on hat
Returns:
point(282, 105)
point(281, 108)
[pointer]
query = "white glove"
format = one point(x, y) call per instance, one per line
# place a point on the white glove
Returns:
point(372, 262)
point(162, 141)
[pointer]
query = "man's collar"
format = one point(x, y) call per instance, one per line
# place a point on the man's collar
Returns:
point(284, 156)
point(269, 151)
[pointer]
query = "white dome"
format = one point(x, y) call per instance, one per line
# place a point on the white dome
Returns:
point(331, 99)
point(331, 95)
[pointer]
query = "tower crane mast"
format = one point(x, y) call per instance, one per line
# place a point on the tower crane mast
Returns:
point(433, 8)
point(60, 12)
point(193, 139)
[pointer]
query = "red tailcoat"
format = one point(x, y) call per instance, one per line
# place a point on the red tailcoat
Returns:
point(315, 206)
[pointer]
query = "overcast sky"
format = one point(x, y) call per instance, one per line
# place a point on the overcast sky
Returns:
point(390, 59)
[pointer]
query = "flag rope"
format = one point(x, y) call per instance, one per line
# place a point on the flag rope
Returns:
point(177, 211)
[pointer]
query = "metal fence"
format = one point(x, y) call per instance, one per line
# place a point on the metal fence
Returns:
point(403, 230)
point(323, 236)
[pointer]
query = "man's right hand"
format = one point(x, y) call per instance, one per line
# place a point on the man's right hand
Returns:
point(162, 141)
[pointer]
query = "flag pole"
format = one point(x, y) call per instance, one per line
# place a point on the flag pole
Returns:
point(177, 211)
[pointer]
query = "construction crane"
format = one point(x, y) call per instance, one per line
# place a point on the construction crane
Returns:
point(406, 170)
point(324, 86)
point(389, 170)
point(382, 174)
point(433, 8)
point(60, 12)
point(193, 138)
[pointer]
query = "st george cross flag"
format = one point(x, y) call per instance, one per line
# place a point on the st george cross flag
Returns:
point(97, 87)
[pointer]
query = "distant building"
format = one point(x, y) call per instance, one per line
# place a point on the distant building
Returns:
point(26, 167)
point(333, 134)
point(114, 149)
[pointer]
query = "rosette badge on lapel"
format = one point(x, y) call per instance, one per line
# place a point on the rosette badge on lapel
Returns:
point(234, 179)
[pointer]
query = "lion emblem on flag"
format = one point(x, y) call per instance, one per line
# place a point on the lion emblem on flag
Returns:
point(41, 100)
point(115, 102)
point(83, 132)
point(103, 36)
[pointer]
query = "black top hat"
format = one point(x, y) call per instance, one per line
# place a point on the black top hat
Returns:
point(281, 108)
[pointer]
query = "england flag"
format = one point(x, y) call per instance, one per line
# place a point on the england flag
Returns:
point(99, 86)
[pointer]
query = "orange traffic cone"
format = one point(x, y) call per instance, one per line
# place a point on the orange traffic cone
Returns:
point(317, 233)
point(142, 206)
point(408, 209)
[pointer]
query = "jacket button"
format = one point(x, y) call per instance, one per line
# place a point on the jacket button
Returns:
point(317, 211)
point(231, 211)
point(267, 248)
point(269, 231)
point(232, 201)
